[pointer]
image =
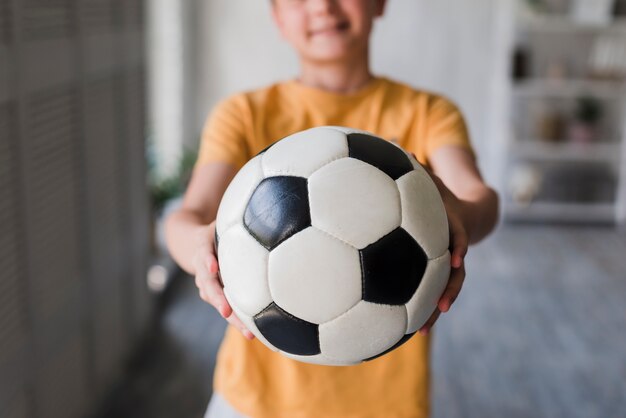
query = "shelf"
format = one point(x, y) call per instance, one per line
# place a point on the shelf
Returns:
point(570, 88)
point(566, 151)
point(576, 182)
point(561, 212)
point(565, 24)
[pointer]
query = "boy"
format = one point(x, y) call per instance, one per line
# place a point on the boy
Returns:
point(335, 87)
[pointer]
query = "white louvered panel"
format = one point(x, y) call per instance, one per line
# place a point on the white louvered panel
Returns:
point(100, 54)
point(52, 180)
point(6, 65)
point(139, 212)
point(48, 174)
point(73, 205)
point(105, 213)
point(98, 15)
point(110, 340)
point(50, 106)
point(128, 261)
point(134, 13)
point(102, 154)
point(11, 276)
point(17, 406)
point(5, 21)
point(47, 63)
point(45, 19)
point(62, 380)
point(11, 321)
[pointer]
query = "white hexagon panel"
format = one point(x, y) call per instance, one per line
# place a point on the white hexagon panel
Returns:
point(424, 301)
point(312, 149)
point(354, 201)
point(364, 331)
point(423, 213)
point(321, 359)
point(314, 276)
point(243, 268)
point(235, 199)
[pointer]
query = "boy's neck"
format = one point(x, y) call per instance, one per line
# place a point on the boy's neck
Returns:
point(336, 77)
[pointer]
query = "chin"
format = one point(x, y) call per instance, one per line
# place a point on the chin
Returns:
point(330, 54)
point(329, 57)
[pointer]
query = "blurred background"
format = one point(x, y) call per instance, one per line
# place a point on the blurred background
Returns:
point(101, 107)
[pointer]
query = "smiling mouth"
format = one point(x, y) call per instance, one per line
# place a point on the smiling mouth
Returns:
point(338, 28)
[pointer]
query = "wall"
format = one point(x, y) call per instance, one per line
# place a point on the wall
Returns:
point(171, 63)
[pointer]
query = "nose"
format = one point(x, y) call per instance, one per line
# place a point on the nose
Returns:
point(322, 6)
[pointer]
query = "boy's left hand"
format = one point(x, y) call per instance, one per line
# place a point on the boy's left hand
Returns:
point(459, 242)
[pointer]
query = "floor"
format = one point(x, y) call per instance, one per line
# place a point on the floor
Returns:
point(539, 331)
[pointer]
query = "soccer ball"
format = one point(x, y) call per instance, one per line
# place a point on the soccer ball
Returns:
point(333, 246)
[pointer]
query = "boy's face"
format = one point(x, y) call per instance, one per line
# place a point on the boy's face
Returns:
point(327, 30)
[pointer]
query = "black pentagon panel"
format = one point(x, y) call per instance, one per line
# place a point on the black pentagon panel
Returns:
point(288, 333)
point(392, 268)
point(380, 153)
point(217, 241)
point(404, 339)
point(278, 209)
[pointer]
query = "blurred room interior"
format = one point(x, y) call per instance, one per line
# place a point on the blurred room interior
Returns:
point(101, 107)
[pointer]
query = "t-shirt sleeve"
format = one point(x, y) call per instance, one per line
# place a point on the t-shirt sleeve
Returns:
point(224, 134)
point(445, 126)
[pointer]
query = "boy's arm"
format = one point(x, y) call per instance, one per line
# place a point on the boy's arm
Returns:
point(199, 208)
point(457, 169)
point(472, 209)
point(190, 235)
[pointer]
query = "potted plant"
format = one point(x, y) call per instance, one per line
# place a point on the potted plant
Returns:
point(587, 114)
point(166, 193)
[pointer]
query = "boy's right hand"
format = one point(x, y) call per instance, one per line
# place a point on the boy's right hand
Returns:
point(208, 281)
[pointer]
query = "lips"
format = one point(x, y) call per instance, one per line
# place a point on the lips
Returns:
point(330, 29)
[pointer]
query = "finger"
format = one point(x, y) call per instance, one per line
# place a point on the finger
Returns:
point(215, 293)
point(431, 321)
point(209, 259)
point(452, 290)
point(212, 289)
point(236, 322)
point(205, 241)
point(203, 295)
point(457, 256)
point(212, 237)
point(458, 244)
point(212, 292)
point(201, 292)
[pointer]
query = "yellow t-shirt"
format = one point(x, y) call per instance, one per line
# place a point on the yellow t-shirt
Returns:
point(259, 382)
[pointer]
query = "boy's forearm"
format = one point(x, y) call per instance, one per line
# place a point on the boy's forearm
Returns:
point(182, 229)
point(480, 213)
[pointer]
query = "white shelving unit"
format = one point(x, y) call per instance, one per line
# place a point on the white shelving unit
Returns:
point(561, 178)
point(533, 149)
point(570, 88)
